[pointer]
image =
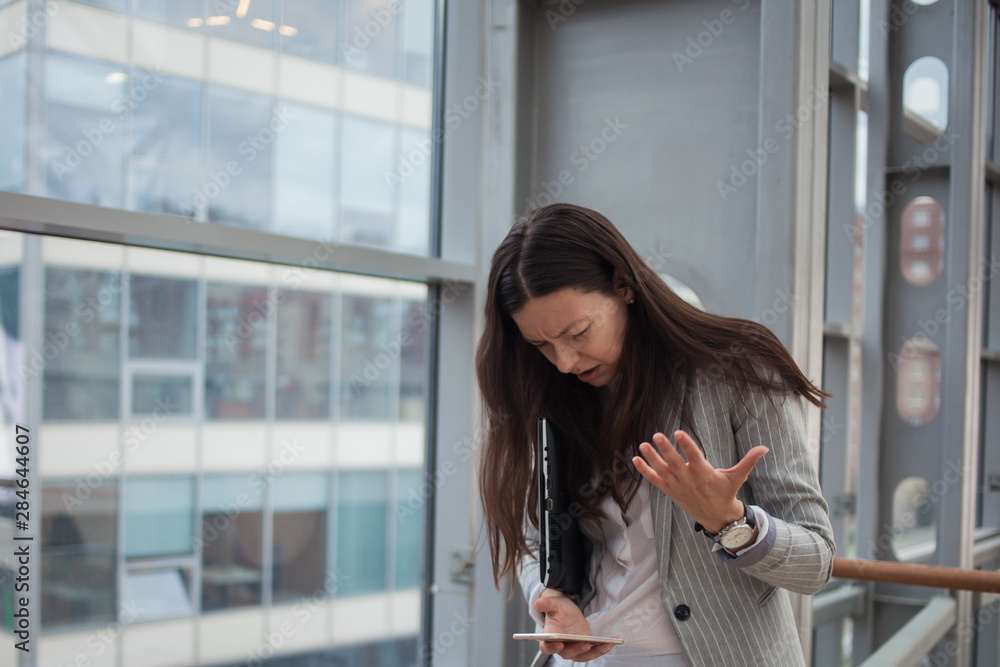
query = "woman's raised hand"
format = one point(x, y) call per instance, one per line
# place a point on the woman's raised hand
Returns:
point(563, 616)
point(706, 493)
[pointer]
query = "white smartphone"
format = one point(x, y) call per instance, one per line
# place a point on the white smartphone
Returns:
point(569, 639)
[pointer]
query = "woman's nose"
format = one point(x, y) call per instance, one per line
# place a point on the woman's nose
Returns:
point(565, 359)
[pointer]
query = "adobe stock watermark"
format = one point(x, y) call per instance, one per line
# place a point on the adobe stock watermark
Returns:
point(419, 321)
point(713, 30)
point(363, 35)
point(143, 82)
point(562, 12)
point(134, 437)
point(422, 149)
point(36, 361)
point(956, 300)
point(31, 25)
point(786, 126)
point(953, 474)
point(899, 14)
point(913, 168)
point(302, 612)
point(444, 640)
point(220, 179)
point(581, 158)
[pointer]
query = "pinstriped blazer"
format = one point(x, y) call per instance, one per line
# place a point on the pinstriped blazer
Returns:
point(738, 611)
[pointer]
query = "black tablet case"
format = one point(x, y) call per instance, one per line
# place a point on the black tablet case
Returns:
point(562, 554)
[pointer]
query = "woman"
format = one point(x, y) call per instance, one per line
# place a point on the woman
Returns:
point(691, 558)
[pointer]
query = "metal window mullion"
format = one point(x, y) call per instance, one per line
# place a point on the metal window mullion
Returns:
point(36, 117)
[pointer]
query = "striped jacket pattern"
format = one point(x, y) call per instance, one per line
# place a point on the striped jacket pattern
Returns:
point(727, 610)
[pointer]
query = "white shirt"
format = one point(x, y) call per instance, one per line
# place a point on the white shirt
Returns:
point(627, 599)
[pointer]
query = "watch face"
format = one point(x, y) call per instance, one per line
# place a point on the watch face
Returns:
point(736, 537)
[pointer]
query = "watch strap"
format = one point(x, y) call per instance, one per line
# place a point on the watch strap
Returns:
point(748, 514)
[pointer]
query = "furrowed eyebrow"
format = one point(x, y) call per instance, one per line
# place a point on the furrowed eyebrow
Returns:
point(560, 334)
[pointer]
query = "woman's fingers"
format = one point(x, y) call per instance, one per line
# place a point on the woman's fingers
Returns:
point(595, 652)
point(550, 648)
point(742, 469)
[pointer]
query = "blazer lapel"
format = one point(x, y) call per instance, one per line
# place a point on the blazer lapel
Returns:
point(661, 506)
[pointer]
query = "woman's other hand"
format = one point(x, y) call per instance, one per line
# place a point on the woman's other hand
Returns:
point(706, 493)
point(562, 615)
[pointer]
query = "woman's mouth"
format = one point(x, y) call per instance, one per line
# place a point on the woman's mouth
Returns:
point(588, 375)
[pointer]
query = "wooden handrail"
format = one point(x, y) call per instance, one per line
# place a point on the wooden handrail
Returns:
point(935, 576)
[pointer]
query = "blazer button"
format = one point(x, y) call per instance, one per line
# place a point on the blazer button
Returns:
point(682, 612)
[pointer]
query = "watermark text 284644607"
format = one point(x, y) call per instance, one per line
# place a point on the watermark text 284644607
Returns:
point(22, 548)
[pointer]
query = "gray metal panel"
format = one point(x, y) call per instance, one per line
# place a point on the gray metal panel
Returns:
point(682, 127)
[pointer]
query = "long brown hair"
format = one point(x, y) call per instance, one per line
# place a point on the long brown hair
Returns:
point(559, 246)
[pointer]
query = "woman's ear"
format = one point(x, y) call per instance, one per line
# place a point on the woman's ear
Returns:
point(623, 286)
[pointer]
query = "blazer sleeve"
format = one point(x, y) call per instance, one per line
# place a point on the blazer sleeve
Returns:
point(798, 549)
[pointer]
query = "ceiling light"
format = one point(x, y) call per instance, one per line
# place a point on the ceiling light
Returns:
point(194, 23)
point(288, 31)
point(217, 20)
point(115, 77)
point(241, 10)
point(261, 24)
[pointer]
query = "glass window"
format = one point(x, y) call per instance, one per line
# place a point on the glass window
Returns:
point(413, 361)
point(304, 175)
point(918, 380)
point(236, 351)
point(236, 188)
point(248, 22)
point(409, 520)
point(361, 531)
point(414, 231)
point(300, 503)
point(913, 518)
point(113, 5)
point(159, 516)
point(10, 297)
point(159, 592)
point(366, 368)
point(163, 318)
point(163, 395)
point(311, 28)
point(925, 91)
point(367, 197)
point(418, 42)
point(12, 91)
point(86, 119)
point(372, 35)
point(166, 143)
point(78, 554)
point(922, 220)
point(81, 351)
point(188, 13)
point(303, 377)
point(231, 541)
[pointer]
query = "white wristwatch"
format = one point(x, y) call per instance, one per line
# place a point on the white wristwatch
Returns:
point(736, 535)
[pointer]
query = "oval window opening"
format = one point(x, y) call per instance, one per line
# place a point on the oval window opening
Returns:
point(914, 530)
point(921, 241)
point(925, 99)
point(683, 290)
point(918, 381)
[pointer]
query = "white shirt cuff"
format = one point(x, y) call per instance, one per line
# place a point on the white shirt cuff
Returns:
point(534, 594)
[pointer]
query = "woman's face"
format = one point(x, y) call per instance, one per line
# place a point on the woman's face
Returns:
point(580, 332)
